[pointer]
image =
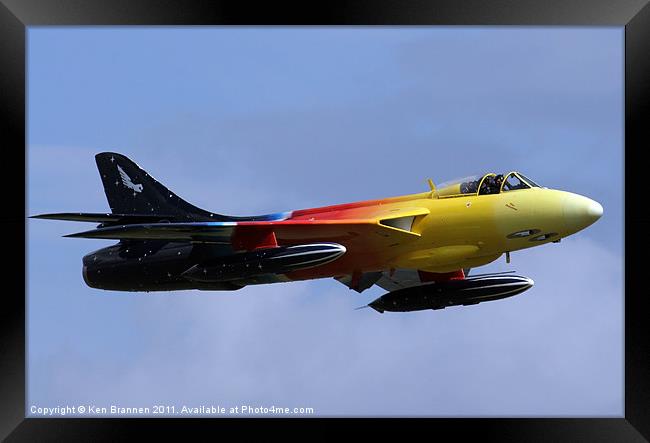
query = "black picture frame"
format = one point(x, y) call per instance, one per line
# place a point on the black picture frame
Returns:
point(634, 15)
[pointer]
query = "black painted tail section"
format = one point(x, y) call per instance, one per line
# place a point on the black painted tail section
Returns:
point(131, 190)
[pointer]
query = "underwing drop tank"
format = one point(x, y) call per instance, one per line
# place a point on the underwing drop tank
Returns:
point(439, 295)
point(279, 260)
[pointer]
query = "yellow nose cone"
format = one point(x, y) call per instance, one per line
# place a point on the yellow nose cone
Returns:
point(580, 212)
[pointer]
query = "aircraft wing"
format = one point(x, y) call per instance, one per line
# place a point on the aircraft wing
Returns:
point(406, 278)
point(401, 278)
point(368, 230)
point(388, 280)
point(396, 279)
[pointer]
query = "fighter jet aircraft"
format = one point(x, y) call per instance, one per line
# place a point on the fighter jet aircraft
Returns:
point(419, 247)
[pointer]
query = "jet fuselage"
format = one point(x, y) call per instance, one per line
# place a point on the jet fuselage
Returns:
point(450, 233)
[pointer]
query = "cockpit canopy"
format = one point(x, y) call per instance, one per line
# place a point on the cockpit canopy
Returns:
point(490, 183)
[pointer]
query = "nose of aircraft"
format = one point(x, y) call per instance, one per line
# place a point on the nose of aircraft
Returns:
point(580, 212)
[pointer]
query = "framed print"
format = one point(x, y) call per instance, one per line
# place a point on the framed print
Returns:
point(270, 110)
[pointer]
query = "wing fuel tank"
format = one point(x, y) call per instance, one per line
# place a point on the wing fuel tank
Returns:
point(452, 293)
point(279, 260)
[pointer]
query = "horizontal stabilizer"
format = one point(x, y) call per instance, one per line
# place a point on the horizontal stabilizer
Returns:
point(206, 232)
point(104, 217)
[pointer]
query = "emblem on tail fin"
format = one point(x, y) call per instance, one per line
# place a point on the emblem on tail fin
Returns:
point(126, 181)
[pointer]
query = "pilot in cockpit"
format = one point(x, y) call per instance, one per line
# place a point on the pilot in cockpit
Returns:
point(488, 185)
point(498, 180)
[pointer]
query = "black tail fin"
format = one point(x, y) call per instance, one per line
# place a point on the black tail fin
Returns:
point(130, 190)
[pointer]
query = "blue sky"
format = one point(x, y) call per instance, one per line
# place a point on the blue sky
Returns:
point(256, 120)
